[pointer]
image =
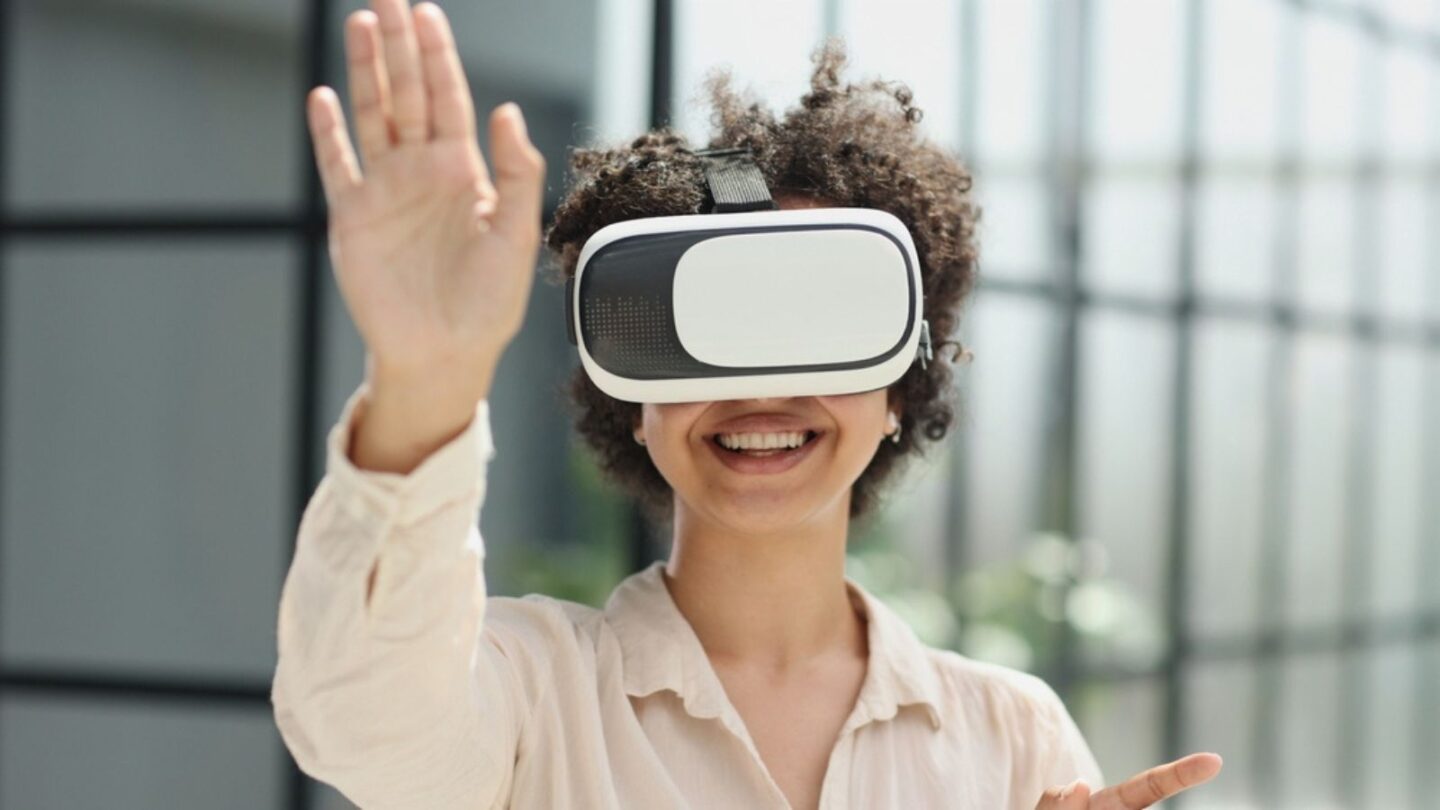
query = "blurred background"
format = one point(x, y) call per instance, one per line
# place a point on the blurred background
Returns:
point(1187, 483)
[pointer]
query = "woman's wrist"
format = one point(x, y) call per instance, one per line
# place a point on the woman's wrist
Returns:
point(404, 418)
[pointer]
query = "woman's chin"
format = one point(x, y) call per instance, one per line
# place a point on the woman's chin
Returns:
point(762, 510)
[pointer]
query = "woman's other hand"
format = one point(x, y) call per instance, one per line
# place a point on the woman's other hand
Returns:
point(433, 255)
point(1142, 790)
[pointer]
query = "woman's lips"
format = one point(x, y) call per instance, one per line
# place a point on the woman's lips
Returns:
point(767, 464)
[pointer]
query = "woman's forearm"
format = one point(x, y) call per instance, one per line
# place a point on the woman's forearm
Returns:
point(387, 685)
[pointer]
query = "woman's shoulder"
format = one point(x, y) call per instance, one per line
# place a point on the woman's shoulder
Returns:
point(1006, 694)
point(543, 618)
point(1023, 709)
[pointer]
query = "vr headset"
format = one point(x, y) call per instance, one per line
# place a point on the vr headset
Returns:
point(745, 300)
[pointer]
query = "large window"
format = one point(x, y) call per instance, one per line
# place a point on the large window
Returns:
point(1201, 414)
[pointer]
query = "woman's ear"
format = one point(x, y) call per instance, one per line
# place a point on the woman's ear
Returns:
point(895, 403)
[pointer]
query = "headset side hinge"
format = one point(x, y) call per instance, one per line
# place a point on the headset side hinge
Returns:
point(925, 351)
point(570, 311)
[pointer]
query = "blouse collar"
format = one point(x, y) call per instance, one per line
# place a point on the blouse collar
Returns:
point(661, 651)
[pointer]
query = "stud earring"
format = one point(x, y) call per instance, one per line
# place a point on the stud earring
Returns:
point(640, 440)
point(895, 423)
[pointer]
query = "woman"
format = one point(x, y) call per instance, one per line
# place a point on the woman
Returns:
point(747, 671)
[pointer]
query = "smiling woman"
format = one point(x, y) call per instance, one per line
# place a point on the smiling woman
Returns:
point(745, 671)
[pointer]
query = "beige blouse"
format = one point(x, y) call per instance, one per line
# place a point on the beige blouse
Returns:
point(432, 694)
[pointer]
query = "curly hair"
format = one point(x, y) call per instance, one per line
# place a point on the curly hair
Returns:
point(856, 146)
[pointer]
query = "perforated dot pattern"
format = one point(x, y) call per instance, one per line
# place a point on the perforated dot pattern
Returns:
point(633, 335)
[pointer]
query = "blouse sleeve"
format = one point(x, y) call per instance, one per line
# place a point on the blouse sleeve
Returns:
point(388, 684)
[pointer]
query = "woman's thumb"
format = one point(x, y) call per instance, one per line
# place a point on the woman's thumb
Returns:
point(519, 171)
point(1074, 796)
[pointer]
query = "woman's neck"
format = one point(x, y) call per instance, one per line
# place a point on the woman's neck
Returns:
point(776, 601)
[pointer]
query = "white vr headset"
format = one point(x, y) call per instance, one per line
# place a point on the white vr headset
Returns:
point(747, 301)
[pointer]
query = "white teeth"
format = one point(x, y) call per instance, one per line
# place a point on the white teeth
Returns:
point(761, 441)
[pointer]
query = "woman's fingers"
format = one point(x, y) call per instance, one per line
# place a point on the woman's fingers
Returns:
point(1158, 783)
point(334, 156)
point(369, 90)
point(451, 107)
point(402, 66)
point(519, 173)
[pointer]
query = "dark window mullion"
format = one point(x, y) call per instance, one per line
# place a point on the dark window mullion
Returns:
point(310, 280)
point(6, 10)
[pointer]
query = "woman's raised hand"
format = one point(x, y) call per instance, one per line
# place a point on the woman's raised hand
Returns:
point(433, 256)
point(1142, 790)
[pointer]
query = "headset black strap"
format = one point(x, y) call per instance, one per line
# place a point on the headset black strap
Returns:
point(735, 182)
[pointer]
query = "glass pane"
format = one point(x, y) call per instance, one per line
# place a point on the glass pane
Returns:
point(1138, 83)
point(1410, 105)
point(624, 55)
point(1331, 73)
point(1406, 212)
point(1234, 236)
point(1131, 231)
point(1220, 707)
point(173, 105)
point(1227, 478)
point(1325, 244)
point(1241, 98)
point(1309, 731)
point(1012, 40)
point(1124, 439)
point(1319, 424)
point(1008, 385)
point(1122, 721)
point(342, 366)
point(916, 42)
point(767, 44)
point(1409, 14)
point(72, 753)
point(543, 55)
point(149, 405)
point(1014, 228)
point(1390, 714)
point(1398, 476)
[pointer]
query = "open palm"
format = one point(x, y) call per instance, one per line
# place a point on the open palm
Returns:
point(433, 256)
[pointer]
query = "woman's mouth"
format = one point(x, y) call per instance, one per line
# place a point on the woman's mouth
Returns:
point(764, 452)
